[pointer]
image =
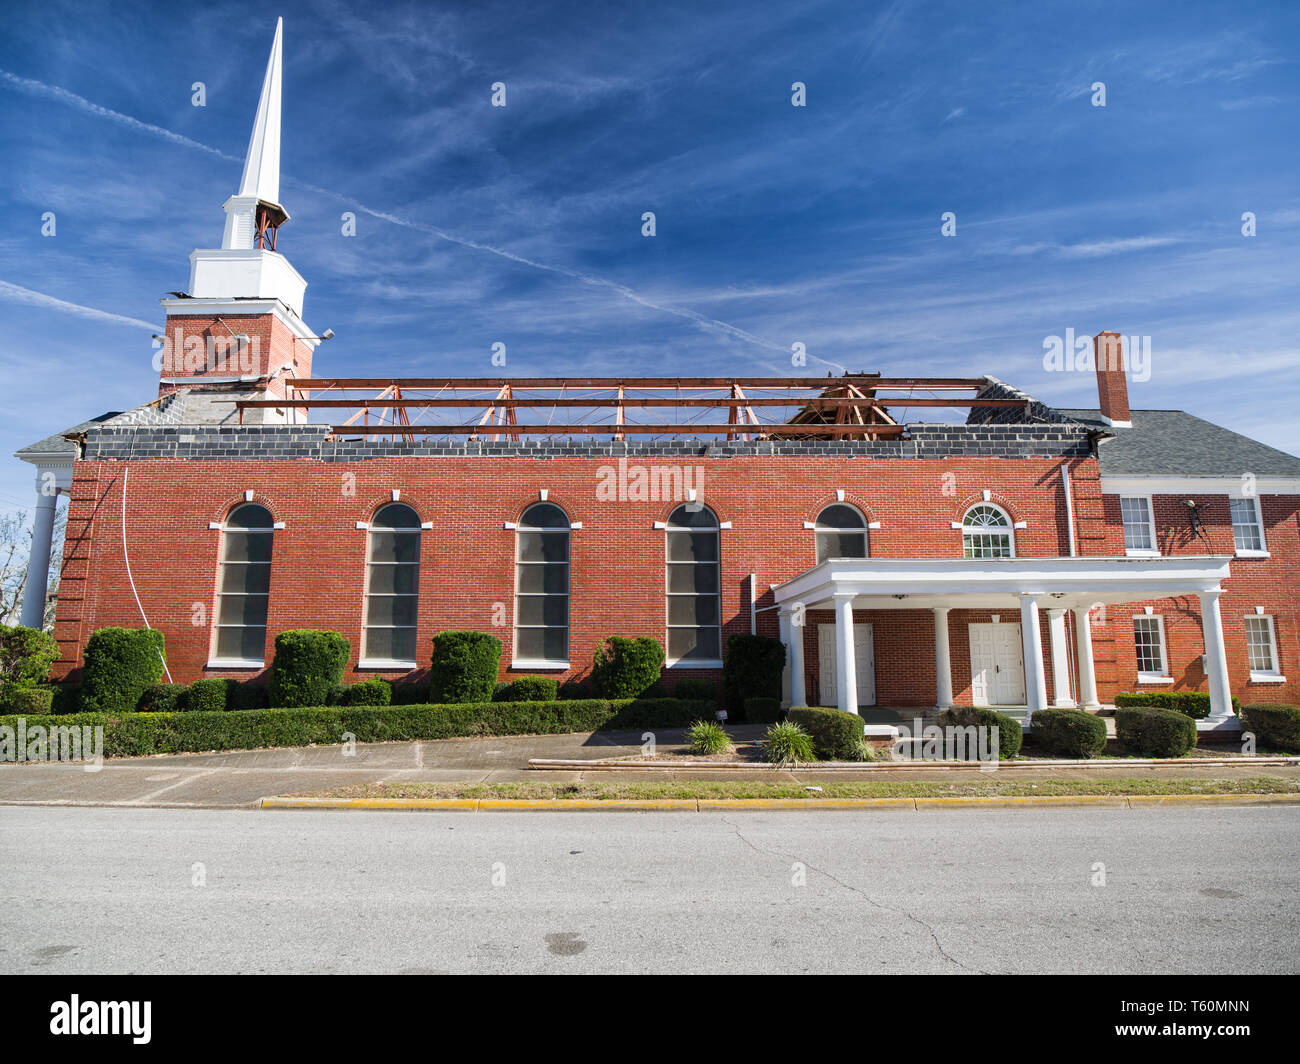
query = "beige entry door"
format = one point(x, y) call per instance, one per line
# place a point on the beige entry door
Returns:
point(864, 663)
point(997, 665)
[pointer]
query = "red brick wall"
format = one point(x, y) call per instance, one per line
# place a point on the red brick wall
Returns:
point(273, 345)
point(617, 568)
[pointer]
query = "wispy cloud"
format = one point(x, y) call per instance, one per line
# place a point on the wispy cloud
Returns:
point(18, 294)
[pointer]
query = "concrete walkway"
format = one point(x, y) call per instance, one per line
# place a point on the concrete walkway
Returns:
point(230, 780)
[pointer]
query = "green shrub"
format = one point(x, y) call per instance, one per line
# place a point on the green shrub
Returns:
point(627, 668)
point(409, 693)
point(1152, 732)
point(1010, 734)
point(531, 689)
point(67, 698)
point(23, 700)
point(208, 696)
point(708, 737)
point(375, 691)
point(164, 698)
point(1194, 704)
point(693, 688)
point(752, 668)
point(1276, 727)
point(246, 694)
point(572, 690)
point(465, 665)
point(762, 710)
point(138, 734)
point(119, 664)
point(499, 691)
point(837, 736)
point(1068, 732)
point(26, 655)
point(788, 744)
point(307, 664)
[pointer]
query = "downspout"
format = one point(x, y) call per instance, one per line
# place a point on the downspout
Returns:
point(753, 606)
point(1069, 507)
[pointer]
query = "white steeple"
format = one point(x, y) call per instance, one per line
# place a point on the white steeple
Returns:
point(248, 264)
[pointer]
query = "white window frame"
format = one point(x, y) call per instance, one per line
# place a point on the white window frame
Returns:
point(1265, 676)
point(1262, 551)
point(388, 664)
point(1163, 676)
point(225, 529)
point(543, 664)
point(1152, 551)
point(669, 529)
point(818, 529)
point(978, 530)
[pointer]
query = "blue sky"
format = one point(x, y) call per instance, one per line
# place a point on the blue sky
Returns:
point(776, 224)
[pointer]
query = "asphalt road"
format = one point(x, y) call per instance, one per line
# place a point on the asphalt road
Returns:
point(99, 890)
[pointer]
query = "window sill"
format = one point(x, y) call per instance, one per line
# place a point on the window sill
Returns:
point(387, 665)
point(234, 663)
point(1141, 553)
point(692, 663)
point(1148, 677)
point(1253, 554)
point(1266, 677)
point(523, 663)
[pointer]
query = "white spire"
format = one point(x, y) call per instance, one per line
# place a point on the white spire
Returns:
point(262, 165)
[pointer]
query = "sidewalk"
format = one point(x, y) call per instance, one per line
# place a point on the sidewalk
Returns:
point(233, 780)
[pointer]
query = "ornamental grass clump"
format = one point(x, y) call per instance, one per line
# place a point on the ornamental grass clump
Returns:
point(708, 737)
point(787, 744)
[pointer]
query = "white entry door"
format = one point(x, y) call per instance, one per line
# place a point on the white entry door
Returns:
point(864, 663)
point(997, 665)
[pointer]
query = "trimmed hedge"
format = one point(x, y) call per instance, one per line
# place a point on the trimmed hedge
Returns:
point(627, 668)
point(120, 663)
point(1153, 732)
point(26, 655)
point(375, 691)
point(1194, 704)
point(246, 694)
point(762, 710)
point(695, 689)
point(67, 698)
point(529, 689)
point(307, 664)
point(138, 734)
point(574, 690)
point(22, 700)
point(1275, 726)
point(465, 665)
point(752, 668)
point(409, 693)
point(1068, 732)
point(836, 735)
point(208, 696)
point(164, 698)
point(1010, 734)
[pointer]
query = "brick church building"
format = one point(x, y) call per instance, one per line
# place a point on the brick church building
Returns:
point(1024, 557)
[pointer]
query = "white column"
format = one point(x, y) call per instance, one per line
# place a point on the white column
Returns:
point(845, 667)
point(1216, 659)
point(1031, 641)
point(783, 619)
point(1060, 659)
point(38, 565)
point(942, 659)
point(1087, 671)
point(797, 695)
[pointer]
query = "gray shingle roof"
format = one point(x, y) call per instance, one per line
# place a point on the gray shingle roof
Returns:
point(1174, 443)
point(56, 443)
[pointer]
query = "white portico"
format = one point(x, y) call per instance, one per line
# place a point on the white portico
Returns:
point(1019, 588)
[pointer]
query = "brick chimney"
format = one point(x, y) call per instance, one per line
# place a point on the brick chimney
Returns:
point(1112, 386)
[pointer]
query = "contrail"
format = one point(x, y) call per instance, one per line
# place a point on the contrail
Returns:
point(53, 92)
point(18, 294)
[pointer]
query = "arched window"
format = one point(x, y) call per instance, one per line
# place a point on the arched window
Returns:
point(693, 586)
point(243, 586)
point(986, 533)
point(392, 586)
point(542, 587)
point(841, 532)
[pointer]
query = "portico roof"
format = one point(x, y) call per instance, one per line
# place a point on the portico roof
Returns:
point(980, 583)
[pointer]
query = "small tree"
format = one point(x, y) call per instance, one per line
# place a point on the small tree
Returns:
point(753, 668)
point(627, 668)
point(26, 655)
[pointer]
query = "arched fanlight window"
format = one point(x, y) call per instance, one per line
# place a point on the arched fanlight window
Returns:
point(986, 533)
point(693, 587)
point(841, 532)
point(392, 586)
point(542, 587)
point(243, 586)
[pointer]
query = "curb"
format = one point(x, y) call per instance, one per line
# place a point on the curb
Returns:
point(546, 764)
point(701, 805)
